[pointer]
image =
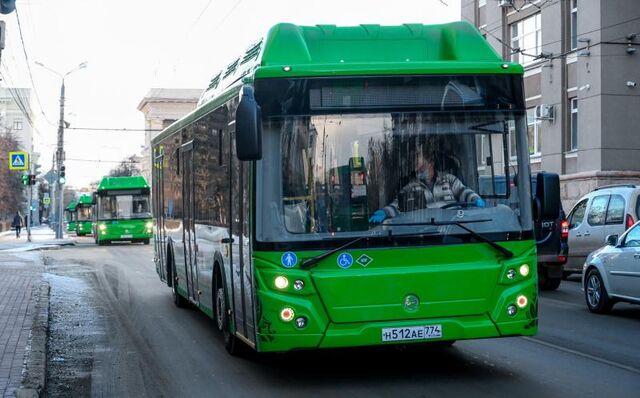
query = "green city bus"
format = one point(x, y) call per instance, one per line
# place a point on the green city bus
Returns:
point(84, 215)
point(122, 211)
point(264, 195)
point(70, 216)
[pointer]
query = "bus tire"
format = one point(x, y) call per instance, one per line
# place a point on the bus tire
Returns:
point(146, 241)
point(223, 316)
point(178, 300)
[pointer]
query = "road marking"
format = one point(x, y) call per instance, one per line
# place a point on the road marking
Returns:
point(582, 354)
point(564, 303)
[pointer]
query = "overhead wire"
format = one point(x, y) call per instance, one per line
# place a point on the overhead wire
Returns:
point(26, 58)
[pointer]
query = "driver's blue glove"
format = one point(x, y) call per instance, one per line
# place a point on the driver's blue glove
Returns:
point(378, 217)
point(480, 203)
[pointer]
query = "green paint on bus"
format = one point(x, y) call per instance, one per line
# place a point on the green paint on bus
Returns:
point(122, 210)
point(320, 243)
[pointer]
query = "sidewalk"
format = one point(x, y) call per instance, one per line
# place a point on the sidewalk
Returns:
point(24, 307)
point(19, 294)
point(41, 236)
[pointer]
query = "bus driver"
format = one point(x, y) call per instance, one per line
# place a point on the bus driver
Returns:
point(428, 188)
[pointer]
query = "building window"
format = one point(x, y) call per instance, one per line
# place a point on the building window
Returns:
point(573, 142)
point(526, 38)
point(533, 132)
point(17, 125)
point(574, 24)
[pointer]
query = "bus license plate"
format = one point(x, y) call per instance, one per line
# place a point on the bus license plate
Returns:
point(412, 333)
point(126, 236)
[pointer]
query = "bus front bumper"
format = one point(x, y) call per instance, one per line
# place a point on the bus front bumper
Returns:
point(370, 333)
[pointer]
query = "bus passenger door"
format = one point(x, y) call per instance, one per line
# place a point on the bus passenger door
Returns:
point(158, 208)
point(188, 222)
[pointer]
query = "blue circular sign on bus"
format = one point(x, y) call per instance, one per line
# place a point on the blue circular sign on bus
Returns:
point(345, 260)
point(289, 259)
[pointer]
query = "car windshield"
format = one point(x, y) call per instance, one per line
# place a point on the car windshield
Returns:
point(331, 175)
point(123, 207)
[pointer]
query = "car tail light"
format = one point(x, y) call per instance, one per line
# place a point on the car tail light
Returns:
point(629, 223)
point(562, 259)
point(564, 232)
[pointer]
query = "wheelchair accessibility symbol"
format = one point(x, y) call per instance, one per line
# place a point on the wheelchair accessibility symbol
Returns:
point(345, 260)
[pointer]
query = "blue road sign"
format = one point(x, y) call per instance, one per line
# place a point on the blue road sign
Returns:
point(18, 161)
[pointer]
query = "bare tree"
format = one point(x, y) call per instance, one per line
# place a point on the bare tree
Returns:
point(11, 188)
point(128, 167)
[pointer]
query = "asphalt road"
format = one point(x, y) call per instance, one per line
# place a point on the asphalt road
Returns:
point(116, 332)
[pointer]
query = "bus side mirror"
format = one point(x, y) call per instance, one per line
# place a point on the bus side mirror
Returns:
point(547, 196)
point(248, 126)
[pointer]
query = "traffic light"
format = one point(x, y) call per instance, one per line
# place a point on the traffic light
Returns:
point(32, 179)
point(25, 179)
point(62, 178)
point(7, 6)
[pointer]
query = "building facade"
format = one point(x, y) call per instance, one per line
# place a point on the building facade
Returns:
point(161, 107)
point(16, 116)
point(582, 84)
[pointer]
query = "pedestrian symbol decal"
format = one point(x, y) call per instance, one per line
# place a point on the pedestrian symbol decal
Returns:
point(289, 259)
point(18, 161)
point(345, 260)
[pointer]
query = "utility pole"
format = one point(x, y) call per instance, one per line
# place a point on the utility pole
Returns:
point(60, 151)
point(59, 163)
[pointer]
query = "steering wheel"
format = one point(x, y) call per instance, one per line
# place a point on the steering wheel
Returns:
point(462, 205)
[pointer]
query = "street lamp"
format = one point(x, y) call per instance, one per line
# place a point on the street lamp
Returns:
point(60, 151)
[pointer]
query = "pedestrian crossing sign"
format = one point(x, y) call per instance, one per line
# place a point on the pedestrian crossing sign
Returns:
point(18, 161)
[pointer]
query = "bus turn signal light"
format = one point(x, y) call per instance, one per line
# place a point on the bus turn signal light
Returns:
point(287, 314)
point(522, 301)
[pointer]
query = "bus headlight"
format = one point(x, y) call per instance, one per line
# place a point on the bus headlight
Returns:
point(148, 225)
point(524, 270)
point(281, 282)
point(102, 227)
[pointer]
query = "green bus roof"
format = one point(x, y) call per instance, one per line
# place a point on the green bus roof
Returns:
point(71, 206)
point(290, 50)
point(119, 183)
point(85, 200)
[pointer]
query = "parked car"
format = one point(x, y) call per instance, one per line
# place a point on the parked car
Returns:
point(551, 236)
point(605, 211)
point(611, 273)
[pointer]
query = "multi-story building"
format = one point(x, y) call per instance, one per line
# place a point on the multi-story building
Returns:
point(582, 83)
point(161, 107)
point(16, 116)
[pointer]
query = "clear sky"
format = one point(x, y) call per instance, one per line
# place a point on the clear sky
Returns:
point(132, 46)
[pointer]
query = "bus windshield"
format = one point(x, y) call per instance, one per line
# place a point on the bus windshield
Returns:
point(85, 213)
point(123, 207)
point(338, 171)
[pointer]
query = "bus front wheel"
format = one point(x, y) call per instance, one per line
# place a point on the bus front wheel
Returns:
point(223, 317)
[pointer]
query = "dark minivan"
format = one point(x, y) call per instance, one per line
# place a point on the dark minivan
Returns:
point(551, 235)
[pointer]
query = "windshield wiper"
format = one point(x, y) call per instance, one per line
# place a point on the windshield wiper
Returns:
point(310, 262)
point(506, 252)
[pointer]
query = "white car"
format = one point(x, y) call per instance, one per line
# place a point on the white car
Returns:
point(608, 210)
point(612, 273)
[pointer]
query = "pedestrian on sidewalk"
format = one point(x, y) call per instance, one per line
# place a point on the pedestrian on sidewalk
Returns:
point(17, 223)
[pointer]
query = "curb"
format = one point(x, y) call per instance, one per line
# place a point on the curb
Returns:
point(35, 365)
